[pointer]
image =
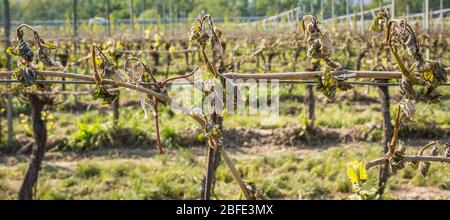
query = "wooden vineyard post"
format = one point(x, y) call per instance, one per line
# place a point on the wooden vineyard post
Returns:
point(426, 17)
point(361, 8)
point(441, 16)
point(75, 98)
point(155, 56)
point(185, 46)
point(193, 57)
point(116, 106)
point(322, 10)
point(116, 102)
point(7, 43)
point(75, 17)
point(108, 17)
point(333, 15)
point(131, 7)
point(347, 12)
point(64, 60)
point(142, 22)
point(75, 35)
point(393, 8)
point(168, 59)
point(311, 106)
point(309, 99)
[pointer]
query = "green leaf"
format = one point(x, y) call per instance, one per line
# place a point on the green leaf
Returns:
point(98, 61)
point(357, 173)
point(11, 51)
point(50, 45)
point(428, 75)
point(197, 27)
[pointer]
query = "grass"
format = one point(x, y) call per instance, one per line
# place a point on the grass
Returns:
point(288, 175)
point(91, 128)
point(170, 137)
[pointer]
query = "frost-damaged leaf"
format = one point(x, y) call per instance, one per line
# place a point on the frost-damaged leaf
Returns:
point(397, 161)
point(424, 166)
point(25, 52)
point(198, 35)
point(134, 71)
point(320, 47)
point(434, 75)
point(26, 76)
point(44, 52)
point(329, 84)
point(145, 105)
point(102, 93)
point(137, 72)
point(107, 69)
point(408, 109)
point(399, 34)
point(407, 89)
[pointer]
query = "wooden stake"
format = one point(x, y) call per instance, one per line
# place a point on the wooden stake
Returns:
point(7, 43)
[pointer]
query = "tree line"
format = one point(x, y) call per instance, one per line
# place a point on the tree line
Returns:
point(28, 10)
